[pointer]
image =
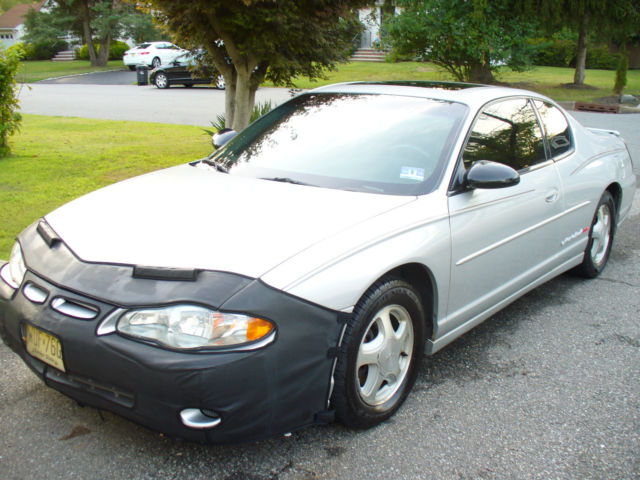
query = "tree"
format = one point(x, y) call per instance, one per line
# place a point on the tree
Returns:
point(96, 21)
point(9, 118)
point(469, 39)
point(253, 40)
point(609, 19)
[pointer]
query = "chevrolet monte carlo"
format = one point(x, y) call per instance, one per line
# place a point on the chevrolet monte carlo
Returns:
point(299, 273)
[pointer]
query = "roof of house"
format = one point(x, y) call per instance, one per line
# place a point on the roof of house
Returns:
point(15, 16)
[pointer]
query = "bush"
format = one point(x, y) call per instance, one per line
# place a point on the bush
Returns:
point(553, 52)
point(116, 51)
point(9, 118)
point(258, 111)
point(599, 56)
point(621, 73)
point(43, 50)
point(560, 51)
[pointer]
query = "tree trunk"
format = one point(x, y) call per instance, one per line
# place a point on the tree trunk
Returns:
point(103, 54)
point(245, 97)
point(86, 30)
point(229, 101)
point(481, 73)
point(581, 58)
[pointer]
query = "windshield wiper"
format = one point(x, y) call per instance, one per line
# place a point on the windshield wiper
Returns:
point(218, 166)
point(285, 180)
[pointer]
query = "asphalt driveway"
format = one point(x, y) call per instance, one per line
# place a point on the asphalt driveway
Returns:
point(115, 77)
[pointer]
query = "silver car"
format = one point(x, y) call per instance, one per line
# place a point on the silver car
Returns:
point(300, 272)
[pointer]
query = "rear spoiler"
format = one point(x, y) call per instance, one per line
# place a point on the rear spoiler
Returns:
point(602, 131)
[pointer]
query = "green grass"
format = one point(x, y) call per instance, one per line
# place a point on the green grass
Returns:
point(57, 159)
point(546, 80)
point(550, 81)
point(35, 70)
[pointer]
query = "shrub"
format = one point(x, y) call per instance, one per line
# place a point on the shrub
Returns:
point(9, 118)
point(560, 51)
point(116, 50)
point(43, 50)
point(599, 56)
point(621, 73)
point(553, 52)
point(258, 111)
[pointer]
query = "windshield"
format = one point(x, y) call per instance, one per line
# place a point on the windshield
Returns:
point(372, 143)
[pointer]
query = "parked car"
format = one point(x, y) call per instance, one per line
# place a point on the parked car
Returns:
point(301, 271)
point(180, 72)
point(151, 54)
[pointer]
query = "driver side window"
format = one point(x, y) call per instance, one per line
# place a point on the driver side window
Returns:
point(506, 132)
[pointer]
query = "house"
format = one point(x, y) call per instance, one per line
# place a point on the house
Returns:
point(11, 23)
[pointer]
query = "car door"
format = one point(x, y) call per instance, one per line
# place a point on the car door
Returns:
point(502, 239)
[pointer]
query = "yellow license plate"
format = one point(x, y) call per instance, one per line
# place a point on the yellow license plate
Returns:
point(45, 347)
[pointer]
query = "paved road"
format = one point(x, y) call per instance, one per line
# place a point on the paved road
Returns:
point(187, 106)
point(548, 388)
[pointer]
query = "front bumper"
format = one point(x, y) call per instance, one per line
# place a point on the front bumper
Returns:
point(278, 388)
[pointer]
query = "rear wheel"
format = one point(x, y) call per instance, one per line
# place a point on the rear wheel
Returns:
point(132, 68)
point(156, 62)
point(380, 354)
point(601, 235)
point(161, 80)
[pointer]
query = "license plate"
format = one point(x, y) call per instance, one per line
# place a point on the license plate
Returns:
point(45, 347)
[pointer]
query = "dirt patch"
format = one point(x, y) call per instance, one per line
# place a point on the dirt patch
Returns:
point(574, 86)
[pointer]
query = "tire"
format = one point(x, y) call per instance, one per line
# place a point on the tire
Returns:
point(156, 62)
point(161, 80)
point(601, 235)
point(132, 68)
point(220, 83)
point(380, 354)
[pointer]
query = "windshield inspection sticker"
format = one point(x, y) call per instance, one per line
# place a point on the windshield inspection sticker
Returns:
point(412, 173)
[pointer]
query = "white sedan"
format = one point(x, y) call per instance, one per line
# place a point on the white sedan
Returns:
point(299, 273)
point(152, 54)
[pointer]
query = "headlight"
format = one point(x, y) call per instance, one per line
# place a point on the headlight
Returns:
point(191, 326)
point(13, 273)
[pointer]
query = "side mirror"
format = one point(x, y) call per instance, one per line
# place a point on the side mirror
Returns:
point(222, 137)
point(486, 174)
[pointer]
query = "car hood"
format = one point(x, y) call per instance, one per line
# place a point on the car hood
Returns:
point(194, 217)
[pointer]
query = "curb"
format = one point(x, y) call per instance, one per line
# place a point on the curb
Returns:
point(622, 108)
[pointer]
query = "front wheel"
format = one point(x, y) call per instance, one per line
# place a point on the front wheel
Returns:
point(380, 354)
point(601, 235)
point(161, 80)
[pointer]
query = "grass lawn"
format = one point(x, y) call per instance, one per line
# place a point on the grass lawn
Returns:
point(35, 70)
point(57, 159)
point(546, 80)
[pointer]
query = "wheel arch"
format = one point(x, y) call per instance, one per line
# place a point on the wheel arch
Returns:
point(616, 192)
point(421, 278)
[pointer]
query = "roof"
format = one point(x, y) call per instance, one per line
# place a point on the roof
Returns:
point(474, 95)
point(15, 16)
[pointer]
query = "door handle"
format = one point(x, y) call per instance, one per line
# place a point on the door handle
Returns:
point(552, 196)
